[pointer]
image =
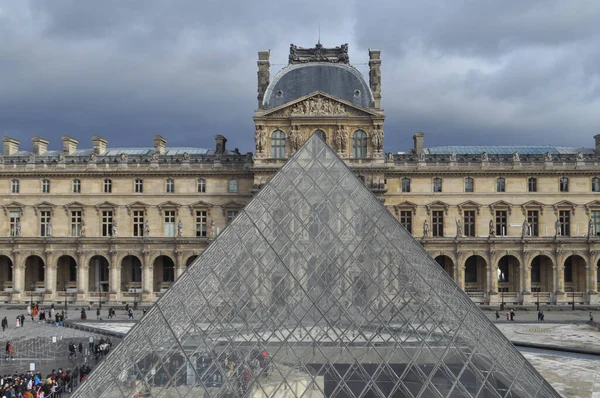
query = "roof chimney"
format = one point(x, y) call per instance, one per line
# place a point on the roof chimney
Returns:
point(221, 141)
point(11, 146)
point(263, 75)
point(419, 138)
point(69, 145)
point(596, 138)
point(40, 146)
point(160, 145)
point(99, 145)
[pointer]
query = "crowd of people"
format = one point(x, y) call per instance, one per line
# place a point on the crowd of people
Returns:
point(33, 385)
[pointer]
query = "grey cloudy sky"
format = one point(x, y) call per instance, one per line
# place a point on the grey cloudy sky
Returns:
point(464, 72)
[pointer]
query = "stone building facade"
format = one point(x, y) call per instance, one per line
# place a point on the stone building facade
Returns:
point(510, 224)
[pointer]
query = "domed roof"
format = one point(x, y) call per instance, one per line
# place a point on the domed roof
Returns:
point(338, 79)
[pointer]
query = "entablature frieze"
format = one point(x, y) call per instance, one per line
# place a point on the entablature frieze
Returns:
point(133, 172)
point(446, 170)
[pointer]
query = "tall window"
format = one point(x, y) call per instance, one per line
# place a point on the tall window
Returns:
point(501, 223)
point(76, 186)
point(138, 223)
point(15, 220)
point(595, 184)
point(107, 185)
point(359, 144)
point(437, 221)
point(44, 223)
point(500, 184)
point(533, 218)
point(569, 270)
point(170, 187)
point(406, 219)
point(201, 185)
point(232, 186)
point(201, 223)
point(321, 135)
point(76, 223)
point(536, 275)
point(469, 222)
point(564, 184)
point(170, 223)
point(564, 217)
point(138, 185)
point(532, 184)
point(278, 144)
point(468, 184)
point(231, 215)
point(15, 186)
point(503, 275)
point(406, 184)
point(595, 214)
point(107, 220)
point(45, 186)
point(437, 184)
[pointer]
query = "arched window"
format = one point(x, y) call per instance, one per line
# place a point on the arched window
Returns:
point(595, 184)
point(406, 184)
point(468, 184)
point(564, 184)
point(278, 144)
point(437, 184)
point(359, 144)
point(500, 184)
point(321, 135)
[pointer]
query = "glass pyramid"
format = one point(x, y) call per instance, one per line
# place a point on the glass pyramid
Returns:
point(315, 290)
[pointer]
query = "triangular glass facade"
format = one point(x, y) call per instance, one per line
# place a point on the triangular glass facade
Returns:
point(315, 290)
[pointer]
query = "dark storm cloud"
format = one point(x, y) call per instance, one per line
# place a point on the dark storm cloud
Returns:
point(468, 72)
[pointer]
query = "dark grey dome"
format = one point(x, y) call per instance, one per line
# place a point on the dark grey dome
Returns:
point(297, 80)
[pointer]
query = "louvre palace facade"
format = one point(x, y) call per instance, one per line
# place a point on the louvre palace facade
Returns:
point(512, 224)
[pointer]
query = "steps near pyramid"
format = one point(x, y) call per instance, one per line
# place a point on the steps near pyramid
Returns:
point(315, 283)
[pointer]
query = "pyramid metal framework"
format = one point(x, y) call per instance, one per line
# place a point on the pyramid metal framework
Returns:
point(315, 290)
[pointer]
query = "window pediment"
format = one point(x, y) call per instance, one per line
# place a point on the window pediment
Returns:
point(106, 205)
point(501, 205)
point(168, 205)
point(74, 206)
point(563, 205)
point(137, 205)
point(533, 204)
point(593, 205)
point(469, 205)
point(13, 206)
point(200, 205)
point(43, 206)
point(231, 205)
point(437, 205)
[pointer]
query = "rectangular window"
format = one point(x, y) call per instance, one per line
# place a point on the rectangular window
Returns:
point(107, 220)
point(501, 223)
point(232, 186)
point(46, 186)
point(533, 218)
point(44, 223)
point(595, 184)
point(469, 184)
point(564, 217)
point(201, 224)
point(170, 185)
point(139, 185)
point(500, 185)
point(138, 223)
point(76, 186)
point(406, 184)
point(437, 218)
point(76, 222)
point(596, 220)
point(532, 184)
point(564, 184)
point(437, 185)
point(15, 223)
point(469, 223)
point(231, 215)
point(15, 186)
point(201, 185)
point(406, 219)
point(170, 223)
point(107, 186)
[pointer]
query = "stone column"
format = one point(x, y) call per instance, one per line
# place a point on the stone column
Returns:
point(593, 284)
point(460, 275)
point(50, 282)
point(115, 277)
point(559, 283)
point(179, 264)
point(526, 276)
point(147, 278)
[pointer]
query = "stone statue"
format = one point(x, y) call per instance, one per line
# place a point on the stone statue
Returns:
point(459, 228)
point(123, 158)
point(115, 232)
point(30, 158)
point(1, 158)
point(154, 156)
point(61, 157)
point(340, 139)
point(49, 228)
point(492, 228)
point(390, 156)
point(548, 157)
point(180, 229)
point(248, 156)
point(294, 138)
point(580, 156)
point(484, 157)
point(93, 157)
point(421, 156)
point(591, 228)
point(557, 228)
point(259, 139)
point(186, 156)
point(377, 139)
point(147, 228)
point(425, 229)
point(526, 229)
point(453, 157)
point(213, 229)
point(82, 232)
point(18, 228)
point(516, 157)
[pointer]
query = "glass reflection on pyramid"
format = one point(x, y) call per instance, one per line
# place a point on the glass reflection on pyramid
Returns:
point(315, 290)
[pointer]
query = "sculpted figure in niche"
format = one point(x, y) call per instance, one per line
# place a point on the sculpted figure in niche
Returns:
point(294, 139)
point(591, 228)
point(259, 139)
point(115, 232)
point(557, 228)
point(526, 229)
point(213, 229)
point(425, 229)
point(18, 227)
point(492, 228)
point(180, 228)
point(147, 228)
point(377, 138)
point(49, 228)
point(82, 228)
point(459, 230)
point(516, 157)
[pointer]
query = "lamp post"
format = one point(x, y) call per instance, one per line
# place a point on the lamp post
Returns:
point(573, 302)
point(65, 297)
point(502, 304)
point(135, 303)
point(537, 303)
point(99, 296)
point(31, 296)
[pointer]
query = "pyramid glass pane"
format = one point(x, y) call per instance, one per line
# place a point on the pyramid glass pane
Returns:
point(315, 290)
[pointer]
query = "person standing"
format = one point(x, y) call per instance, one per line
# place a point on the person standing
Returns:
point(4, 324)
point(98, 313)
point(497, 316)
point(512, 315)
